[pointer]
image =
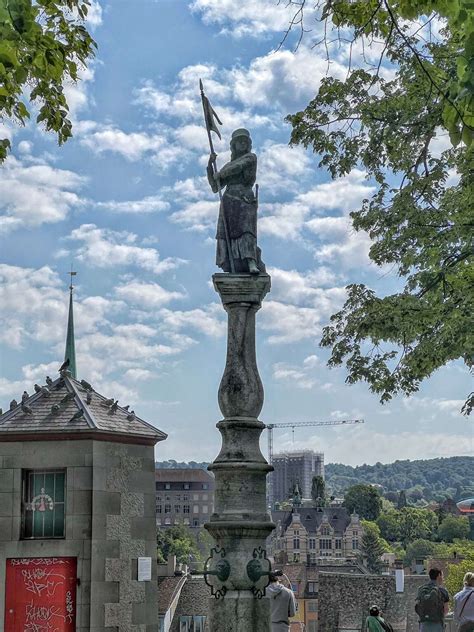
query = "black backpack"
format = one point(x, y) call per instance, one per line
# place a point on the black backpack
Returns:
point(386, 626)
point(429, 604)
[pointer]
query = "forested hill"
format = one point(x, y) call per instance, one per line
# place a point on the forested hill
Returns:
point(452, 476)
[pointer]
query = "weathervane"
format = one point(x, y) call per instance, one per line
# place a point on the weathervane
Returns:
point(71, 274)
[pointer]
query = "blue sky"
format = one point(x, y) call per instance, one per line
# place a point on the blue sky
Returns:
point(126, 201)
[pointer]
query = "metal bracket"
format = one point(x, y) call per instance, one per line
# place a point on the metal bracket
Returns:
point(221, 571)
point(255, 571)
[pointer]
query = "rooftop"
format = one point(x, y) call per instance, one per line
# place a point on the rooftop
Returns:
point(66, 408)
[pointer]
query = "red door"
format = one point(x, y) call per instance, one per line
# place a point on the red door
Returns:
point(41, 594)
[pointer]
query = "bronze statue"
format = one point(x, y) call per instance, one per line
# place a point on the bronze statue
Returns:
point(237, 250)
point(238, 207)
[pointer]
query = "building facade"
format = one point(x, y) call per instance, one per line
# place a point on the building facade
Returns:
point(291, 468)
point(315, 533)
point(184, 496)
point(78, 513)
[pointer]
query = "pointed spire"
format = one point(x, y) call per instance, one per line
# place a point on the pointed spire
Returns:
point(70, 353)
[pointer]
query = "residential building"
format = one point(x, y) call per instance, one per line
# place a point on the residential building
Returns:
point(313, 533)
point(184, 496)
point(291, 468)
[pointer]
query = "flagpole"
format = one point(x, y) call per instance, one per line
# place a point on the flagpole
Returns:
point(221, 202)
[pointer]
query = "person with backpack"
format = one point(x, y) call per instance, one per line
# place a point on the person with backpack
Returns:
point(375, 622)
point(464, 605)
point(432, 603)
point(282, 603)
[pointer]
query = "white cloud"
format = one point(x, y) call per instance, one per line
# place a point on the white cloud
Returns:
point(209, 320)
point(138, 375)
point(250, 18)
point(132, 146)
point(299, 377)
point(34, 307)
point(146, 295)
point(282, 167)
point(432, 406)
point(149, 204)
point(37, 194)
point(106, 248)
point(344, 193)
point(94, 15)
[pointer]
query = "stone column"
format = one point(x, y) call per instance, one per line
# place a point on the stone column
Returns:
point(240, 523)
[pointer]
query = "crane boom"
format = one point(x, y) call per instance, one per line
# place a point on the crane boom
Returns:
point(297, 424)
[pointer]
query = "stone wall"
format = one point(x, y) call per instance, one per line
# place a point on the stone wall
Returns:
point(76, 457)
point(123, 529)
point(110, 522)
point(344, 601)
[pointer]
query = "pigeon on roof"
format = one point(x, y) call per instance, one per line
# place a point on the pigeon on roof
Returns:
point(64, 365)
point(68, 409)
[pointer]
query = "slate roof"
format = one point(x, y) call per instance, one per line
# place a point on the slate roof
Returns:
point(183, 475)
point(193, 601)
point(71, 395)
point(311, 518)
point(168, 587)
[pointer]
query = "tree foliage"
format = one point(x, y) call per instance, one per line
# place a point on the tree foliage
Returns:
point(42, 46)
point(453, 527)
point(420, 217)
point(438, 478)
point(177, 540)
point(408, 524)
point(372, 547)
point(364, 500)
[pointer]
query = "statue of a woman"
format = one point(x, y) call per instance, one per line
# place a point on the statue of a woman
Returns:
point(239, 207)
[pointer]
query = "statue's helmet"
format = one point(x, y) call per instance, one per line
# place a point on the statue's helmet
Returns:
point(240, 132)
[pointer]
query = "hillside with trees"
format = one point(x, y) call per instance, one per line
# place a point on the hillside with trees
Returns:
point(431, 479)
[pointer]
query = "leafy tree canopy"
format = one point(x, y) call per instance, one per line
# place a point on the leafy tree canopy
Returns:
point(364, 500)
point(372, 547)
point(453, 527)
point(177, 540)
point(420, 217)
point(42, 45)
point(437, 476)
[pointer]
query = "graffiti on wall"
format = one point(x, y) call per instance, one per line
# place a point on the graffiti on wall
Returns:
point(41, 594)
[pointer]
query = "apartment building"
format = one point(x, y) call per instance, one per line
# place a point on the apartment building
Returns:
point(295, 467)
point(184, 496)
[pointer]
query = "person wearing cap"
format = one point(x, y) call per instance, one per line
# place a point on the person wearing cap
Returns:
point(239, 207)
point(374, 622)
point(282, 604)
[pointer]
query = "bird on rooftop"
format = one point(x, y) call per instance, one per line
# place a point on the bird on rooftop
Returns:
point(49, 381)
point(114, 406)
point(86, 385)
point(26, 409)
point(89, 397)
point(37, 388)
point(13, 404)
point(126, 407)
point(109, 402)
point(131, 415)
point(55, 408)
point(64, 365)
point(67, 397)
point(77, 415)
point(25, 396)
point(45, 390)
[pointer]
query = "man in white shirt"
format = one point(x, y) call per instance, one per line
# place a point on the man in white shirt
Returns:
point(464, 605)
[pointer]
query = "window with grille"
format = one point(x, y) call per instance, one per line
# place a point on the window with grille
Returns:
point(338, 544)
point(186, 509)
point(44, 500)
point(311, 587)
point(312, 543)
point(167, 508)
point(355, 544)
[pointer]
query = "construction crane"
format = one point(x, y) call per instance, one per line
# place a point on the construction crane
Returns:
point(298, 424)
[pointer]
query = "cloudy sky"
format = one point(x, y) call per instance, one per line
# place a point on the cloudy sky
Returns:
point(126, 202)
